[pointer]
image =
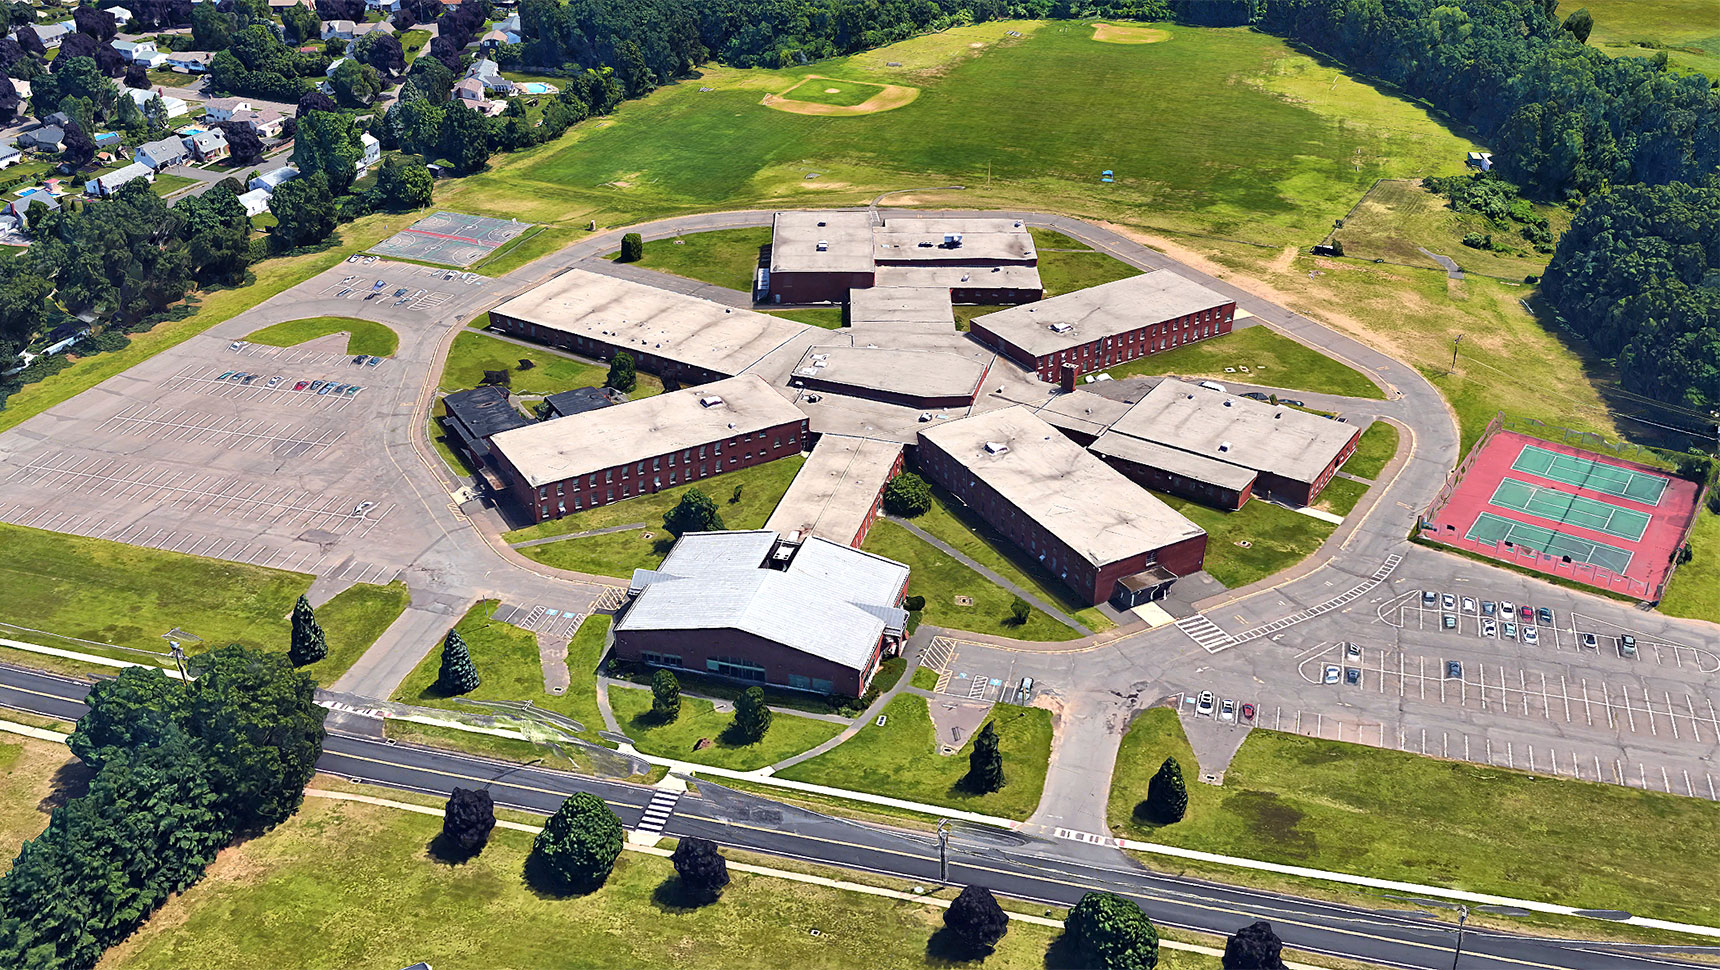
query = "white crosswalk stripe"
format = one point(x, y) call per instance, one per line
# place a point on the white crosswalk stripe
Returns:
point(1203, 631)
point(657, 813)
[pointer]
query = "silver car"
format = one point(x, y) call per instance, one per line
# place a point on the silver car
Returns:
point(1227, 711)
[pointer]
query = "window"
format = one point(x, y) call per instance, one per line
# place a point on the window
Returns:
point(818, 684)
point(735, 667)
point(660, 659)
point(656, 464)
point(608, 475)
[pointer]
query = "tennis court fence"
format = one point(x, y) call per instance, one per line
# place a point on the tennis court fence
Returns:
point(1462, 469)
point(1555, 565)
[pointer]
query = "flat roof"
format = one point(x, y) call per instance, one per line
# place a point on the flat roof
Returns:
point(832, 494)
point(655, 321)
point(580, 444)
point(1010, 277)
point(915, 373)
point(1187, 464)
point(1081, 411)
point(796, 237)
point(484, 410)
point(917, 238)
point(579, 400)
point(901, 305)
point(1090, 506)
point(1271, 438)
point(1101, 311)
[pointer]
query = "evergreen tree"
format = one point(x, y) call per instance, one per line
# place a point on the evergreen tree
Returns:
point(1020, 611)
point(1254, 947)
point(976, 919)
point(752, 717)
point(665, 697)
point(696, 512)
point(632, 248)
point(1112, 932)
point(985, 762)
point(467, 821)
point(458, 675)
point(308, 644)
point(579, 844)
point(1167, 796)
point(702, 869)
point(622, 375)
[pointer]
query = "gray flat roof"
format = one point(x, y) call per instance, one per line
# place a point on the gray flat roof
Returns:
point(796, 237)
point(1081, 411)
point(832, 601)
point(916, 238)
point(1090, 506)
point(580, 444)
point(901, 305)
point(1187, 464)
point(1101, 311)
point(1011, 277)
point(832, 494)
point(654, 321)
point(1236, 430)
point(921, 373)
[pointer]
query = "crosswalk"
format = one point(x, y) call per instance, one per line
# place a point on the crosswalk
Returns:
point(1208, 634)
point(657, 813)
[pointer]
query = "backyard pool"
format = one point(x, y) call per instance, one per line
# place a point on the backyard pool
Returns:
point(538, 87)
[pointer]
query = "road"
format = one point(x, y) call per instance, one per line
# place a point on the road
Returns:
point(1048, 871)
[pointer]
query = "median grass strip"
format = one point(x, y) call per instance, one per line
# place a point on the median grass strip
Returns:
point(983, 606)
point(699, 721)
point(548, 372)
point(1272, 360)
point(1394, 815)
point(1276, 538)
point(901, 759)
point(366, 336)
point(1375, 449)
point(352, 621)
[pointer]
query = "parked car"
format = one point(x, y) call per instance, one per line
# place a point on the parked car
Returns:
point(1294, 404)
point(325, 389)
point(1488, 607)
point(1507, 607)
point(301, 385)
point(373, 361)
point(1453, 670)
point(1227, 711)
point(1429, 597)
point(273, 381)
point(224, 375)
point(1508, 630)
point(1527, 613)
point(1627, 646)
point(1448, 621)
point(1545, 615)
point(1468, 605)
point(1248, 712)
point(250, 378)
point(1590, 641)
point(360, 359)
point(351, 389)
point(1448, 601)
point(1255, 396)
point(400, 292)
point(317, 385)
point(1203, 704)
point(1489, 628)
point(1332, 674)
point(1531, 636)
point(355, 257)
point(1353, 653)
point(1352, 676)
point(1214, 386)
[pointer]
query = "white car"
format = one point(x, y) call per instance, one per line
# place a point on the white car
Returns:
point(1203, 706)
point(1507, 608)
point(1333, 674)
point(1468, 605)
point(1489, 628)
point(1531, 637)
point(1352, 653)
point(1448, 601)
point(1227, 711)
point(1214, 386)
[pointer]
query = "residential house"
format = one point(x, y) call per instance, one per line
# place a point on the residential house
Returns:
point(189, 62)
point(208, 146)
point(21, 205)
point(372, 151)
point(359, 30)
point(163, 154)
point(121, 16)
point(334, 65)
point(49, 34)
point(176, 107)
point(276, 6)
point(266, 122)
point(337, 29)
point(48, 138)
point(105, 186)
point(131, 49)
point(10, 156)
point(386, 6)
point(58, 119)
point(106, 139)
point(471, 89)
point(222, 109)
point(1480, 160)
point(23, 88)
point(255, 201)
point(274, 177)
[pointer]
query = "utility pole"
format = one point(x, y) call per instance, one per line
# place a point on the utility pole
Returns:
point(1462, 917)
point(944, 851)
point(1455, 343)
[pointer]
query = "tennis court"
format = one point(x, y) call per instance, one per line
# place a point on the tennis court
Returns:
point(1590, 474)
point(1493, 529)
point(1563, 507)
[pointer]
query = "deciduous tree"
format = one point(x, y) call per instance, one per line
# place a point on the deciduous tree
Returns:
point(665, 697)
point(467, 821)
point(694, 513)
point(1112, 932)
point(1254, 947)
point(752, 716)
point(579, 843)
point(907, 495)
point(976, 920)
point(622, 375)
point(702, 869)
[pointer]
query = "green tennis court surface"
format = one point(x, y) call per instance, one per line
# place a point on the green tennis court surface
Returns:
point(1614, 520)
point(1588, 473)
point(1496, 529)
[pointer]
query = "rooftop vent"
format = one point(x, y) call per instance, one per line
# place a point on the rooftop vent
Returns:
point(711, 401)
point(731, 426)
point(822, 223)
point(996, 448)
point(1277, 415)
point(1224, 446)
point(1062, 327)
point(1228, 402)
point(823, 246)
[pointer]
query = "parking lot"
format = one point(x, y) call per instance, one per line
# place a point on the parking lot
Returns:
point(980, 675)
point(399, 284)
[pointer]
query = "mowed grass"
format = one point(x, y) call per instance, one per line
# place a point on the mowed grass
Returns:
point(824, 90)
point(1340, 496)
point(535, 243)
point(788, 734)
point(830, 318)
point(1271, 359)
point(1688, 30)
point(30, 770)
point(1395, 815)
point(365, 336)
point(940, 579)
point(322, 868)
point(1277, 538)
point(1695, 588)
point(550, 373)
point(721, 257)
point(131, 595)
point(352, 621)
point(1398, 218)
point(1067, 264)
point(901, 759)
point(1375, 449)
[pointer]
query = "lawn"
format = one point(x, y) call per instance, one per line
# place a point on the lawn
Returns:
point(1394, 815)
point(168, 184)
point(830, 318)
point(1277, 538)
point(509, 669)
point(1340, 496)
point(1374, 451)
point(1256, 355)
point(824, 90)
point(940, 579)
point(952, 522)
point(1398, 216)
point(131, 595)
point(901, 759)
point(321, 870)
point(550, 372)
point(925, 678)
point(1063, 270)
point(788, 734)
point(535, 243)
point(721, 257)
point(352, 621)
point(1687, 30)
point(1695, 588)
point(412, 40)
point(364, 336)
point(27, 777)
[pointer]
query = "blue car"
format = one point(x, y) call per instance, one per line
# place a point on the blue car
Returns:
point(324, 389)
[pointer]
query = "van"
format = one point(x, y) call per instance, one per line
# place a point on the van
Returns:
point(1213, 386)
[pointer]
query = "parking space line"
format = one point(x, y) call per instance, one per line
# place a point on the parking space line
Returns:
point(1671, 714)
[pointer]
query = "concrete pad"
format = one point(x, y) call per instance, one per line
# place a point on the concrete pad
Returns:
point(1153, 614)
point(955, 720)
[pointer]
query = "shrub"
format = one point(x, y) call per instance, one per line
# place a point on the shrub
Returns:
point(632, 248)
point(907, 495)
point(1112, 932)
point(665, 697)
point(1019, 612)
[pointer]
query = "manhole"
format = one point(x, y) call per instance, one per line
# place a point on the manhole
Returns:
point(647, 536)
point(964, 600)
point(1244, 543)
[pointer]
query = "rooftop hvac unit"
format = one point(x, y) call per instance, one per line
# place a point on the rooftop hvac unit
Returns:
point(952, 239)
point(995, 448)
point(711, 401)
point(1224, 446)
point(823, 246)
point(731, 426)
point(1227, 402)
point(1062, 327)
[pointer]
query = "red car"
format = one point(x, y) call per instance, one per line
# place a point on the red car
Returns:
point(301, 385)
point(1248, 712)
point(1527, 614)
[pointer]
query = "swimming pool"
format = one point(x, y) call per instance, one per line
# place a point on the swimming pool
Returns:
point(191, 130)
point(538, 87)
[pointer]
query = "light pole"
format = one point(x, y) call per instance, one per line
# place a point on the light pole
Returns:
point(1462, 916)
point(944, 851)
point(1455, 343)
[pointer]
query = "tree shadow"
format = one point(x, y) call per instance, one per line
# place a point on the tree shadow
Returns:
point(546, 884)
point(1064, 954)
point(672, 896)
point(71, 780)
point(442, 849)
point(945, 949)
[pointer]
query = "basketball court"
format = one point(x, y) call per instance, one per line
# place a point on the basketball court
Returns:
point(450, 238)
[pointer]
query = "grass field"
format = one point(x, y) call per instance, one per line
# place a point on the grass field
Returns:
point(1277, 538)
point(788, 734)
point(1688, 30)
point(721, 257)
point(1375, 449)
point(940, 579)
point(1256, 355)
point(1398, 216)
point(165, 184)
point(27, 778)
point(1067, 264)
point(534, 243)
point(1393, 815)
point(824, 90)
point(1340, 496)
point(365, 336)
point(550, 373)
point(830, 318)
point(1695, 588)
point(901, 759)
point(352, 621)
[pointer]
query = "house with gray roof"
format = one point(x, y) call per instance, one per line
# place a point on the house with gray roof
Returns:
point(104, 186)
point(48, 138)
point(163, 154)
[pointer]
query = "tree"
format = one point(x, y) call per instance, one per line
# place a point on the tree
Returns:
point(622, 375)
point(1580, 25)
point(405, 184)
point(301, 24)
point(1112, 932)
point(355, 85)
point(907, 495)
point(579, 843)
point(9, 101)
point(136, 78)
point(99, 24)
point(308, 644)
point(701, 868)
point(1254, 947)
point(79, 149)
point(304, 211)
point(381, 51)
point(467, 821)
point(465, 138)
point(665, 697)
point(315, 100)
point(985, 762)
point(244, 145)
point(259, 719)
point(31, 41)
point(632, 248)
point(1167, 796)
point(1020, 611)
point(457, 674)
point(327, 144)
point(752, 716)
point(155, 115)
point(694, 513)
point(975, 918)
